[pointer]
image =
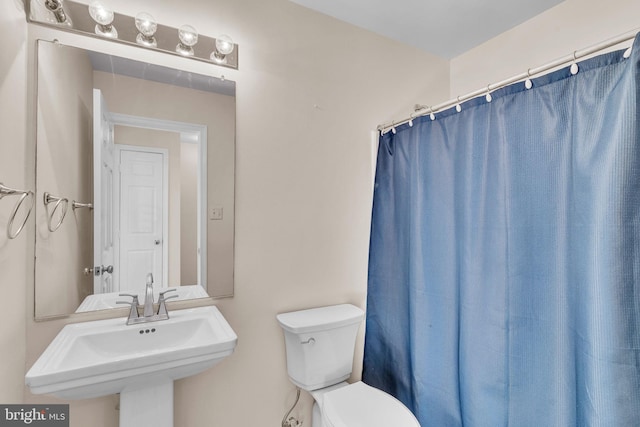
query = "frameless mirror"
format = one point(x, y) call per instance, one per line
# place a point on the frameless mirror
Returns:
point(135, 168)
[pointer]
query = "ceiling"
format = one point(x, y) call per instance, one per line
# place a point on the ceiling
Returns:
point(445, 28)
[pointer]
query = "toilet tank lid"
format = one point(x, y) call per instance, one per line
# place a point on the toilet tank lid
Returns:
point(321, 318)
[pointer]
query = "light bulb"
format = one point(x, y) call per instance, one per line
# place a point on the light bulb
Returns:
point(104, 18)
point(188, 38)
point(147, 26)
point(224, 46)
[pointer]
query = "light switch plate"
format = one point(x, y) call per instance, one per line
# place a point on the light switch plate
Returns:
point(215, 213)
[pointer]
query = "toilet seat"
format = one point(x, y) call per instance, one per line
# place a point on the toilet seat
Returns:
point(360, 405)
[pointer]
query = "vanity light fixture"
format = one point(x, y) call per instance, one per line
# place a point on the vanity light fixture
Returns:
point(147, 26)
point(97, 19)
point(55, 7)
point(224, 46)
point(188, 38)
point(103, 16)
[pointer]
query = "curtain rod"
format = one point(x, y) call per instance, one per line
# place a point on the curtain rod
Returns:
point(423, 110)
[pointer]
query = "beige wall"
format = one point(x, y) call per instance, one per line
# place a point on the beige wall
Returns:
point(188, 214)
point(65, 158)
point(556, 33)
point(16, 256)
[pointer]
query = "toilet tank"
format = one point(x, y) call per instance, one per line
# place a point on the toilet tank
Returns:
point(320, 343)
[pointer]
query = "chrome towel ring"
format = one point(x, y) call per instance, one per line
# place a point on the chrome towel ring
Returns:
point(6, 191)
point(57, 202)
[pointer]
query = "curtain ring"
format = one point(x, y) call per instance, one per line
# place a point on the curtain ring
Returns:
point(14, 212)
point(627, 53)
point(488, 96)
point(48, 198)
point(574, 67)
point(528, 83)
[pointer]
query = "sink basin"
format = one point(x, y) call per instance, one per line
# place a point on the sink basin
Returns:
point(103, 357)
point(108, 300)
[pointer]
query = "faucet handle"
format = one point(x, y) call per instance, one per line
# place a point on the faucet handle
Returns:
point(133, 311)
point(134, 299)
point(169, 290)
point(162, 298)
point(162, 307)
point(134, 296)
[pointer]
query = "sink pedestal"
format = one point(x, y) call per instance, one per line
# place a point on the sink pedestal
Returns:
point(148, 406)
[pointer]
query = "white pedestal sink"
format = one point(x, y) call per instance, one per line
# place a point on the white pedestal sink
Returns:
point(140, 362)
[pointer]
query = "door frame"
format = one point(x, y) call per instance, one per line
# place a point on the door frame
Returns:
point(117, 206)
point(193, 133)
point(102, 135)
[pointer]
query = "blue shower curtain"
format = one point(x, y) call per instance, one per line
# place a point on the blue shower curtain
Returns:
point(504, 262)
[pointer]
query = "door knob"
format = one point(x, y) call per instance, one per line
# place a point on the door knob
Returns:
point(157, 242)
point(100, 270)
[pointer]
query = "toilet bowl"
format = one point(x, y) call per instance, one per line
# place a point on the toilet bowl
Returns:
point(358, 404)
point(320, 345)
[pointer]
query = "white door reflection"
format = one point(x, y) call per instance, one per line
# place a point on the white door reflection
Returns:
point(141, 210)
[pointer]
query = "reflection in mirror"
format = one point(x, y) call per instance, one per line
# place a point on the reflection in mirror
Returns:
point(147, 154)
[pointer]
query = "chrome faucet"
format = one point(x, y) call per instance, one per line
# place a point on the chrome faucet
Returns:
point(148, 297)
point(148, 314)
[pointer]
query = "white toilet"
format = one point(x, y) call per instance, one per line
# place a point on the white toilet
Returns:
point(320, 344)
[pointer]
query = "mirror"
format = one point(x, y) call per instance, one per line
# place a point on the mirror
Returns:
point(135, 168)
